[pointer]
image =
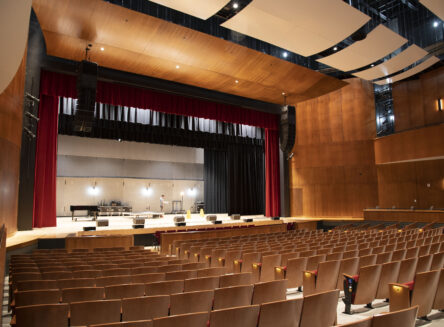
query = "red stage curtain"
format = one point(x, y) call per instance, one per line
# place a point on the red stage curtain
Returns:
point(46, 163)
point(272, 185)
point(53, 85)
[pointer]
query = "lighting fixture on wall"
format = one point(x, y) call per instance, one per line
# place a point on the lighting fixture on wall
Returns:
point(440, 104)
point(93, 190)
point(192, 191)
point(147, 190)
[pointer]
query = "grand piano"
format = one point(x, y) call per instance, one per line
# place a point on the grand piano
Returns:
point(92, 210)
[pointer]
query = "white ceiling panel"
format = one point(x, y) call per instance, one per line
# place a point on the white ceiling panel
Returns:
point(417, 69)
point(406, 58)
point(305, 27)
point(379, 43)
point(435, 6)
point(203, 9)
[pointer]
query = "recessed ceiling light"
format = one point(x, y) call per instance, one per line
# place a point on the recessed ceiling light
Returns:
point(435, 24)
point(236, 81)
point(177, 66)
point(235, 5)
point(335, 49)
point(372, 65)
point(283, 93)
point(102, 49)
point(285, 54)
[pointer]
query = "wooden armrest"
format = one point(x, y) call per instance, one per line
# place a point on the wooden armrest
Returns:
point(399, 285)
point(348, 276)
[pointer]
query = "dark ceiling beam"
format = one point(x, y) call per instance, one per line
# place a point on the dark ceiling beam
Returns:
point(373, 10)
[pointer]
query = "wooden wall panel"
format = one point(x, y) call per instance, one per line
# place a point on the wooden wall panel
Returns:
point(332, 173)
point(415, 101)
point(11, 113)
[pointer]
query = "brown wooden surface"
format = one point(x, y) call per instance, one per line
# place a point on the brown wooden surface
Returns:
point(422, 143)
point(105, 241)
point(404, 215)
point(419, 184)
point(168, 238)
point(415, 101)
point(11, 113)
point(146, 45)
point(332, 173)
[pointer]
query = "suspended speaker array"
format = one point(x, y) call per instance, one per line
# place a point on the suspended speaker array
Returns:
point(287, 131)
point(86, 96)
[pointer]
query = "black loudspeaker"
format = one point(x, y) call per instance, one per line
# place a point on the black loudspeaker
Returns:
point(180, 224)
point(138, 226)
point(86, 96)
point(275, 218)
point(216, 222)
point(287, 130)
point(89, 228)
point(248, 220)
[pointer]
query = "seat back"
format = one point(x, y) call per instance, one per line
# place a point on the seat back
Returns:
point(424, 291)
point(368, 284)
point(439, 297)
point(186, 320)
point(164, 288)
point(30, 285)
point(407, 270)
point(367, 260)
point(438, 261)
point(147, 307)
point(424, 263)
point(209, 272)
point(112, 280)
point(229, 259)
point(233, 296)
point(189, 302)
point(269, 262)
point(248, 259)
point(80, 294)
point(349, 266)
point(124, 291)
point(46, 315)
point(235, 280)
point(404, 318)
point(367, 322)
point(94, 312)
point(23, 298)
point(320, 309)
point(384, 257)
point(246, 316)
point(92, 273)
point(412, 252)
point(313, 261)
point(201, 284)
point(148, 278)
point(285, 313)
point(389, 274)
point(270, 291)
point(295, 267)
point(399, 255)
point(76, 282)
point(328, 272)
point(181, 275)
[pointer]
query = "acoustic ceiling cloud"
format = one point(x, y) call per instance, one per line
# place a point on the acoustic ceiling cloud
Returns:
point(435, 6)
point(203, 9)
point(305, 27)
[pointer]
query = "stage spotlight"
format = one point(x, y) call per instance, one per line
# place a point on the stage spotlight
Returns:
point(147, 191)
point(285, 54)
point(177, 66)
point(102, 49)
point(435, 24)
point(335, 49)
point(235, 5)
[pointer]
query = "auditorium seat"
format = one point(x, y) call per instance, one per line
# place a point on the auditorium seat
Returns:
point(350, 254)
point(169, 268)
point(148, 278)
point(46, 315)
point(367, 260)
point(334, 256)
point(421, 291)
point(193, 266)
point(147, 307)
point(292, 272)
point(140, 323)
point(189, 302)
point(349, 266)
point(319, 310)
point(181, 275)
point(185, 320)
point(407, 270)
point(201, 284)
point(313, 261)
point(269, 291)
point(264, 271)
point(361, 288)
point(384, 257)
point(246, 263)
point(424, 263)
point(124, 291)
point(244, 316)
point(235, 280)
point(116, 272)
point(106, 266)
point(164, 288)
point(389, 274)
point(30, 285)
point(367, 322)
point(324, 278)
point(412, 252)
point(210, 272)
point(94, 273)
point(215, 255)
point(404, 318)
point(80, 267)
point(80, 294)
point(113, 280)
point(438, 303)
point(285, 313)
point(437, 261)
point(228, 260)
point(233, 296)
point(94, 312)
point(48, 296)
point(399, 255)
point(53, 268)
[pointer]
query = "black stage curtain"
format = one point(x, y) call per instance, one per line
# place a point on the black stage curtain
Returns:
point(215, 180)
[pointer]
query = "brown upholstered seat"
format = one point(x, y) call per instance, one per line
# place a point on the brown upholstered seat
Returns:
point(245, 316)
point(185, 320)
point(233, 296)
point(404, 318)
point(29, 285)
point(270, 291)
point(319, 310)
point(246, 263)
point(23, 298)
point(164, 288)
point(199, 301)
point(389, 274)
point(384, 257)
point(292, 272)
point(349, 266)
point(201, 284)
point(80, 294)
point(228, 260)
point(181, 275)
point(43, 315)
point(350, 254)
point(334, 256)
point(424, 263)
point(421, 293)
point(235, 280)
point(148, 278)
point(94, 312)
point(264, 271)
point(124, 291)
point(313, 261)
point(286, 313)
point(367, 260)
point(147, 307)
point(407, 270)
point(324, 278)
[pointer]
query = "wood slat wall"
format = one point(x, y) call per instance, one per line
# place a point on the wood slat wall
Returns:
point(11, 115)
point(333, 172)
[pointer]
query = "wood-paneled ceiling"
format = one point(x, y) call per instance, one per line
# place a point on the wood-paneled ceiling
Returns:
point(145, 45)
